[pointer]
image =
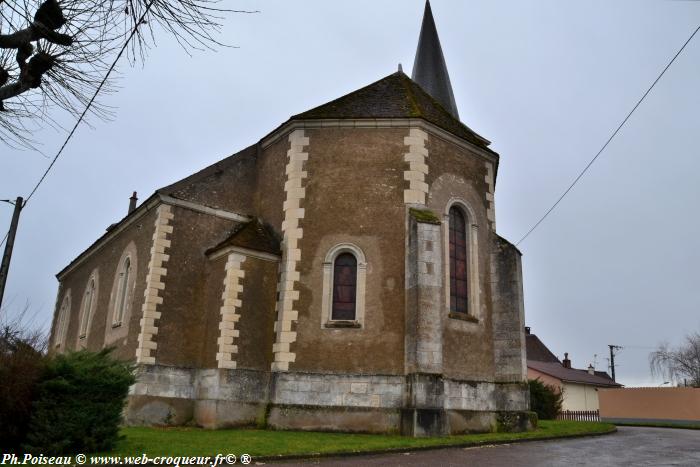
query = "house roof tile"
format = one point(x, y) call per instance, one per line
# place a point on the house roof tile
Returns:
point(571, 375)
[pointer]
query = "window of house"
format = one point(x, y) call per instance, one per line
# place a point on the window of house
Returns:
point(88, 302)
point(344, 287)
point(458, 257)
point(344, 277)
point(122, 292)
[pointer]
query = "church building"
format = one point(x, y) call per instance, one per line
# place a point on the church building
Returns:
point(343, 273)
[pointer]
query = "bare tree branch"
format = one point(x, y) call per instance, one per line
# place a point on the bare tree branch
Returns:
point(54, 52)
point(682, 363)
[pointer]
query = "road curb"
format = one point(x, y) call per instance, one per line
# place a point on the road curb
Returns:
point(424, 448)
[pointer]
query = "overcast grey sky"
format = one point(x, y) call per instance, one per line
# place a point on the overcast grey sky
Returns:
point(545, 81)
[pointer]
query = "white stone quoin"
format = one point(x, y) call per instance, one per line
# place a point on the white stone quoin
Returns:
point(292, 232)
point(225, 357)
point(154, 283)
point(491, 210)
point(417, 168)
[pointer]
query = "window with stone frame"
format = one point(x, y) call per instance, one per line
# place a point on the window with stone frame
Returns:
point(459, 261)
point(344, 287)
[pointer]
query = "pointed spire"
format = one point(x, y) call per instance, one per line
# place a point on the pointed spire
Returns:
point(429, 68)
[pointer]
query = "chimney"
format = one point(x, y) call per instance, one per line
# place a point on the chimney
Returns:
point(591, 370)
point(132, 202)
point(566, 362)
point(527, 330)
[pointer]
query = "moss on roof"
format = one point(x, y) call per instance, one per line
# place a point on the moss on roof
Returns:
point(395, 96)
point(425, 216)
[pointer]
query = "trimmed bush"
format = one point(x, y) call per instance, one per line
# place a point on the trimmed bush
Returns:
point(545, 400)
point(79, 404)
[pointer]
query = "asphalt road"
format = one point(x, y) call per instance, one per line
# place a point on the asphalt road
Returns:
point(630, 446)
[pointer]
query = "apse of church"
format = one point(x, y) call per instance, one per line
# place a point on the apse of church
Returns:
point(342, 273)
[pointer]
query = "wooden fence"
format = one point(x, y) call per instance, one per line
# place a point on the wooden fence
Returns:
point(580, 415)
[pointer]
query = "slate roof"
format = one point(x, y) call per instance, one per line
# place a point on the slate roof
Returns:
point(395, 96)
point(572, 375)
point(537, 351)
point(254, 235)
point(187, 188)
point(429, 67)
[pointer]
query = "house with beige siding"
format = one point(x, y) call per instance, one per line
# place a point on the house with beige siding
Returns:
point(579, 387)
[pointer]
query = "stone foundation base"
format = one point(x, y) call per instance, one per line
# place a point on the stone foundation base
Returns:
point(414, 405)
point(159, 411)
point(342, 419)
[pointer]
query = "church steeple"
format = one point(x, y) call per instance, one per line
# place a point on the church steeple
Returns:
point(429, 68)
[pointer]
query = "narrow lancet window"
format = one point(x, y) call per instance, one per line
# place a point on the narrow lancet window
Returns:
point(122, 292)
point(458, 262)
point(62, 326)
point(88, 301)
point(344, 287)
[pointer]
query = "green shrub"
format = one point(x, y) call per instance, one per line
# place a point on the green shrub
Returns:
point(545, 400)
point(22, 361)
point(79, 403)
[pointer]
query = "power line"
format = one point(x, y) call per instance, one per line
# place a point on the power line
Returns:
point(97, 91)
point(617, 130)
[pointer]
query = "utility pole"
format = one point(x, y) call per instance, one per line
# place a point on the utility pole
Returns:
point(5, 265)
point(613, 348)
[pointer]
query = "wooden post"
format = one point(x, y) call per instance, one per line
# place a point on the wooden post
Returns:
point(5, 265)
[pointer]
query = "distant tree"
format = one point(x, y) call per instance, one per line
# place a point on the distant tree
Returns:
point(681, 363)
point(545, 400)
point(54, 53)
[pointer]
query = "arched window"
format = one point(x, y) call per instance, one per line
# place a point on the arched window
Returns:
point(344, 287)
point(62, 321)
point(122, 292)
point(459, 276)
point(88, 302)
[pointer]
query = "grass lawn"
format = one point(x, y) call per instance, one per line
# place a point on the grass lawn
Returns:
point(199, 442)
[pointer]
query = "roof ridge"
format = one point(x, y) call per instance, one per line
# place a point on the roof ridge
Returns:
point(405, 81)
point(394, 96)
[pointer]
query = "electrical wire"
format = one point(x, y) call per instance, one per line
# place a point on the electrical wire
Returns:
point(617, 130)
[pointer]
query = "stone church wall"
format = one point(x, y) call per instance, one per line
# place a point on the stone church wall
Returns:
point(182, 325)
point(104, 262)
point(406, 364)
point(346, 165)
point(458, 175)
point(508, 312)
point(211, 310)
point(270, 178)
